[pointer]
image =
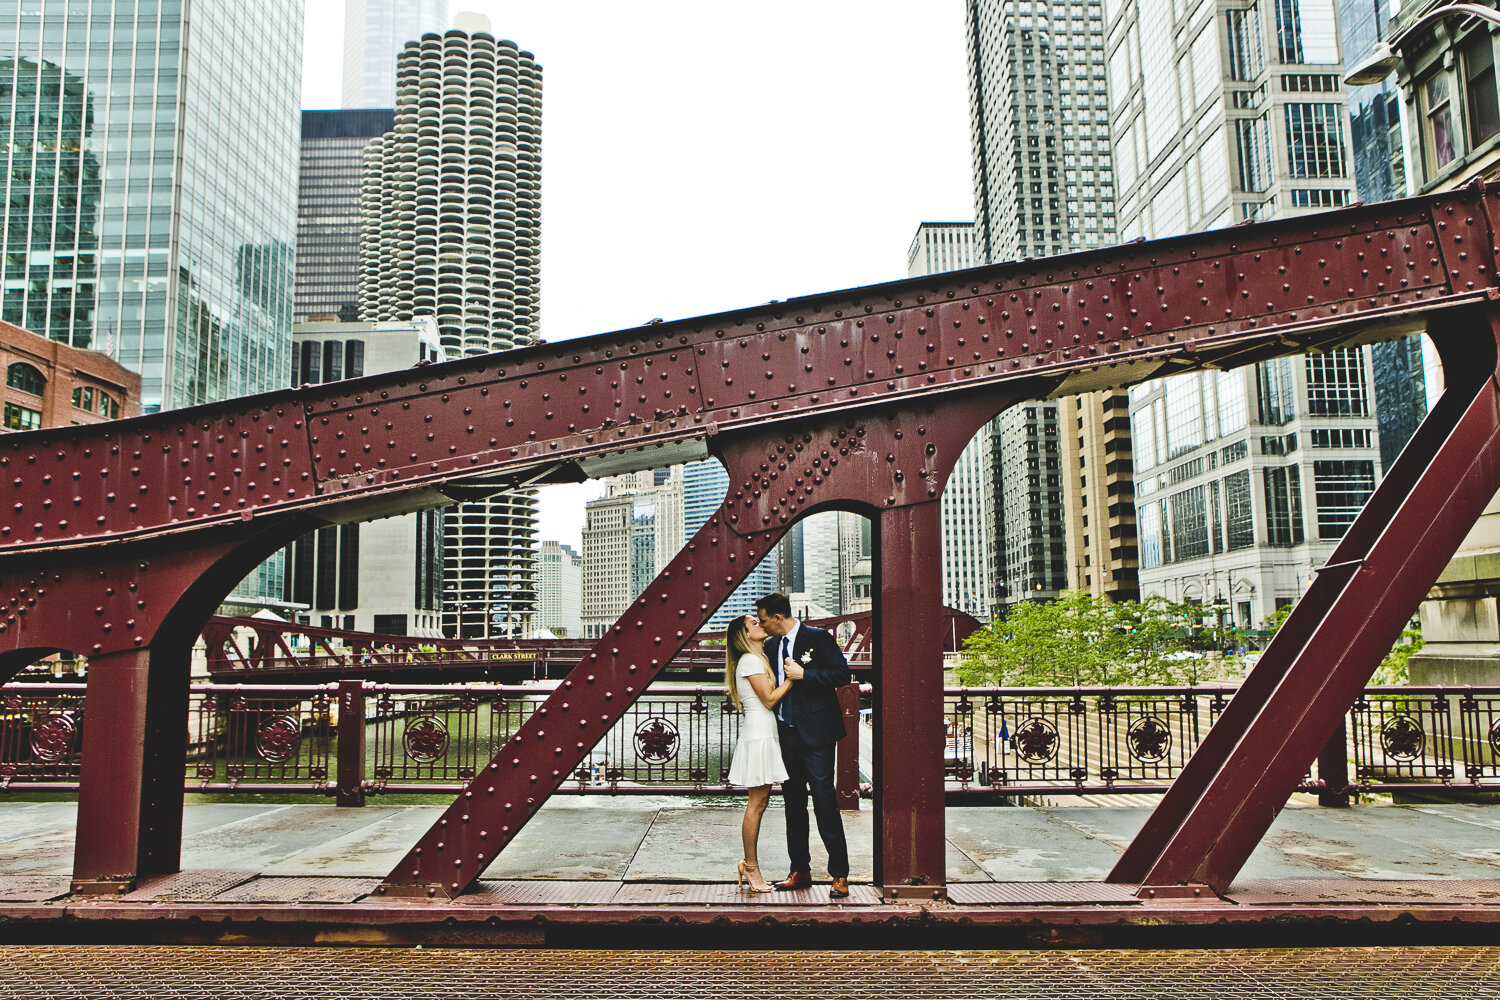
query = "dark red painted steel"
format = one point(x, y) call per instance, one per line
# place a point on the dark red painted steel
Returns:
point(180, 504)
point(824, 463)
point(1227, 797)
point(910, 857)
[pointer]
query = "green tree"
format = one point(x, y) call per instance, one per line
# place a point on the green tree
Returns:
point(1076, 640)
point(1393, 669)
point(1149, 631)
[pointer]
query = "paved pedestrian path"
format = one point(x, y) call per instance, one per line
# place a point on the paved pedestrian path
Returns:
point(668, 840)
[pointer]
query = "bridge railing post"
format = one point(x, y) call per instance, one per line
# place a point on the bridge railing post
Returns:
point(846, 754)
point(1333, 767)
point(350, 789)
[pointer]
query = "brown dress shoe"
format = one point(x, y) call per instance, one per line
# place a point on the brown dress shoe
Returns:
point(839, 889)
point(796, 880)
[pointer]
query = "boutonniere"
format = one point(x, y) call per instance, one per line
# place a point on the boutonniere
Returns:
point(805, 658)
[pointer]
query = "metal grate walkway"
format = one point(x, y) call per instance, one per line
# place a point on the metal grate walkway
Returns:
point(159, 973)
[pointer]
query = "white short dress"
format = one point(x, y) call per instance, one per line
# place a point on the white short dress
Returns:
point(757, 756)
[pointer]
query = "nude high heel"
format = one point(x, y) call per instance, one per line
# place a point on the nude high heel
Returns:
point(751, 873)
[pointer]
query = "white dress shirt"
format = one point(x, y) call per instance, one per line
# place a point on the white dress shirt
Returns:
point(788, 642)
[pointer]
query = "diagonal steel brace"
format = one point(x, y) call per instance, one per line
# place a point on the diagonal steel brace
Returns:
point(1230, 792)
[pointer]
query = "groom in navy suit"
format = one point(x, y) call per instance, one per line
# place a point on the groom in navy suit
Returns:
point(810, 724)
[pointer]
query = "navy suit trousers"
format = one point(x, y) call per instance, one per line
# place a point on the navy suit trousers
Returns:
point(810, 772)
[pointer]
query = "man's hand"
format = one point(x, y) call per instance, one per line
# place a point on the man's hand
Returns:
point(792, 669)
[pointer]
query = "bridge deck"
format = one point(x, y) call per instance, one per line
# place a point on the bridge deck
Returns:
point(292, 974)
point(658, 873)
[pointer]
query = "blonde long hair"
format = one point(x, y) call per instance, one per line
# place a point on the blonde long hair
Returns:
point(736, 644)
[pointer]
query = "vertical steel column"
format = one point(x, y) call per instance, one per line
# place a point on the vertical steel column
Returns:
point(846, 755)
point(1333, 767)
point(909, 822)
point(130, 787)
point(351, 745)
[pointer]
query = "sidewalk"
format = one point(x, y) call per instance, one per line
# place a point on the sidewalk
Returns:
point(674, 840)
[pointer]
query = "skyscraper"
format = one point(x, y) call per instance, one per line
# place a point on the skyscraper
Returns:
point(151, 187)
point(450, 228)
point(1039, 128)
point(1245, 479)
point(703, 487)
point(151, 193)
point(333, 145)
point(630, 534)
point(559, 590)
point(1380, 175)
point(374, 32)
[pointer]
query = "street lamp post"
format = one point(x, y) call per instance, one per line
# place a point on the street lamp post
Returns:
point(1385, 56)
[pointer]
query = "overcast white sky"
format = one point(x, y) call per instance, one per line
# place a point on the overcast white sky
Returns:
point(702, 155)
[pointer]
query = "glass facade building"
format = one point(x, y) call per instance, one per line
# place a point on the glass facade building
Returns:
point(1380, 175)
point(1244, 479)
point(704, 485)
point(150, 186)
point(1039, 121)
point(333, 144)
point(374, 32)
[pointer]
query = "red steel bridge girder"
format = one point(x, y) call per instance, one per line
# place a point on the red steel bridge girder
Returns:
point(196, 493)
point(890, 464)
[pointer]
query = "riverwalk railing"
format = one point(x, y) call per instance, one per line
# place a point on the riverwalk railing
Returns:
point(352, 739)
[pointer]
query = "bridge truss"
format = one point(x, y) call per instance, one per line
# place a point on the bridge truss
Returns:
point(118, 540)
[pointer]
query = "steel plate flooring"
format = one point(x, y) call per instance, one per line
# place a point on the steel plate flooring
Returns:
point(353, 973)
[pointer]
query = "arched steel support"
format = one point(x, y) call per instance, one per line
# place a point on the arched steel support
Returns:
point(889, 462)
point(142, 610)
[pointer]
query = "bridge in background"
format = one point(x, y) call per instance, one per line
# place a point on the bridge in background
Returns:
point(119, 539)
point(264, 650)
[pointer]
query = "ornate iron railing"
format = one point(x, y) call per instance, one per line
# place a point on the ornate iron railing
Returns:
point(679, 739)
point(1075, 740)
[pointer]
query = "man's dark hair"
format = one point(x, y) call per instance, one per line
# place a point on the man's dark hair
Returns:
point(775, 604)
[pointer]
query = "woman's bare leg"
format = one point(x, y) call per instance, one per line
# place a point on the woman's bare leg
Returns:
point(750, 825)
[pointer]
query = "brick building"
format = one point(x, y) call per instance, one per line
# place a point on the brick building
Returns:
point(49, 384)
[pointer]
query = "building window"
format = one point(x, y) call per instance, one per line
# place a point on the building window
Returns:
point(1238, 519)
point(390, 624)
point(333, 360)
point(1288, 31)
point(22, 418)
point(1274, 389)
point(1254, 139)
point(1318, 198)
point(25, 378)
point(1437, 122)
point(1479, 88)
point(1283, 505)
point(1189, 524)
point(354, 358)
point(1245, 55)
point(309, 369)
point(1315, 140)
point(92, 400)
point(1336, 384)
point(1341, 489)
point(1340, 437)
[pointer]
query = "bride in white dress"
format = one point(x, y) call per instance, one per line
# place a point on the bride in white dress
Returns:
point(757, 756)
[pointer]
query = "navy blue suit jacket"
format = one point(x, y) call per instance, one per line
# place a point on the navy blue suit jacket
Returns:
point(812, 704)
